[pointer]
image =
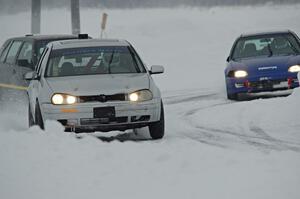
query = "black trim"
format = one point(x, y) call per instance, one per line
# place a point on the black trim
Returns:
point(106, 128)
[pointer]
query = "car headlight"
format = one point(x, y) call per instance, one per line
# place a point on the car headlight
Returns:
point(140, 96)
point(59, 99)
point(240, 73)
point(294, 69)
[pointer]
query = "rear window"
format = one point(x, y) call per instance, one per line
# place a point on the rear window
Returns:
point(93, 60)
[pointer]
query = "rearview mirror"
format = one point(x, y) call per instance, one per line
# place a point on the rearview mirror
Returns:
point(156, 69)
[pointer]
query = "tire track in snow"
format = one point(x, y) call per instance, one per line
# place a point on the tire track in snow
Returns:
point(183, 99)
point(280, 143)
point(259, 139)
point(247, 133)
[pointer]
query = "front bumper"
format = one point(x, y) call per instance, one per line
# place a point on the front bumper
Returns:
point(80, 117)
point(257, 85)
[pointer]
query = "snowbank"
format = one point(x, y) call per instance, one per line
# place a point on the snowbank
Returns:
point(53, 164)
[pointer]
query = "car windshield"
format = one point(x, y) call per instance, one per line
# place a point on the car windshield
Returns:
point(93, 60)
point(266, 45)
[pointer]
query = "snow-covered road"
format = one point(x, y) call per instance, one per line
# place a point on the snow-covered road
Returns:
point(213, 148)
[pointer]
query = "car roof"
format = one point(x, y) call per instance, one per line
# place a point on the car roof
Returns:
point(45, 37)
point(79, 43)
point(266, 33)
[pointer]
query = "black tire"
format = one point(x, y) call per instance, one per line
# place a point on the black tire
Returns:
point(30, 117)
point(38, 116)
point(233, 96)
point(157, 129)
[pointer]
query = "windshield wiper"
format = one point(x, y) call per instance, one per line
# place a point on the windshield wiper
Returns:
point(110, 61)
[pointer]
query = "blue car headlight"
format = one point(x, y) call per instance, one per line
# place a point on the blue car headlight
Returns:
point(294, 69)
point(240, 74)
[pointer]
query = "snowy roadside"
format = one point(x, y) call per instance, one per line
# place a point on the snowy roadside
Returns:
point(53, 164)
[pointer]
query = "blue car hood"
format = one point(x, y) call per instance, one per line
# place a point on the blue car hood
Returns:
point(254, 66)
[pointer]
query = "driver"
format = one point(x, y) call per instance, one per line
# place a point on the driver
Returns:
point(281, 46)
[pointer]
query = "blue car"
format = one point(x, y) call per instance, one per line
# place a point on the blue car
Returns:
point(263, 62)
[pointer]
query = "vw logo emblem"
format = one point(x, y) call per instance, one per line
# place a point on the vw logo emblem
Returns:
point(102, 98)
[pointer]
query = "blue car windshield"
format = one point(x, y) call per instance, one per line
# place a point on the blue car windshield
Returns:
point(92, 61)
point(266, 45)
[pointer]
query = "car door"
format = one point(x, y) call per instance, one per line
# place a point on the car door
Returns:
point(24, 62)
point(38, 82)
point(10, 68)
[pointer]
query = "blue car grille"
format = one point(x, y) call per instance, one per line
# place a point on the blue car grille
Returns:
point(268, 84)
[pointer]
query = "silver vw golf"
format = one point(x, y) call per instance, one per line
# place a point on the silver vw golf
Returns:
point(95, 85)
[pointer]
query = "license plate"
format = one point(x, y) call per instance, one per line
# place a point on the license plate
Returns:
point(266, 85)
point(104, 112)
point(281, 85)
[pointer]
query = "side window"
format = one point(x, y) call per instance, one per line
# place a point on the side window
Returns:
point(25, 55)
point(4, 50)
point(13, 51)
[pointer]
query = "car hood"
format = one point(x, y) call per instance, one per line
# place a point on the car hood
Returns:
point(107, 84)
point(265, 64)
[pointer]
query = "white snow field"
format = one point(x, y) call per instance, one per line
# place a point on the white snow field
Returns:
point(213, 149)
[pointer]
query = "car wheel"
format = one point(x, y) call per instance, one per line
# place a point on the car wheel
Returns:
point(157, 129)
point(38, 117)
point(30, 117)
point(233, 96)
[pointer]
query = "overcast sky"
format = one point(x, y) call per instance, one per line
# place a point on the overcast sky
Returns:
point(12, 6)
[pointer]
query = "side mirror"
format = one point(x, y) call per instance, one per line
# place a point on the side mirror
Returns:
point(156, 69)
point(30, 76)
point(228, 59)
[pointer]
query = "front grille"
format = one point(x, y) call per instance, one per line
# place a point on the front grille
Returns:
point(268, 84)
point(99, 121)
point(102, 98)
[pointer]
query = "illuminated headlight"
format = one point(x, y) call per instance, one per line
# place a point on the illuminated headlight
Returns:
point(59, 99)
point(294, 69)
point(140, 96)
point(240, 73)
